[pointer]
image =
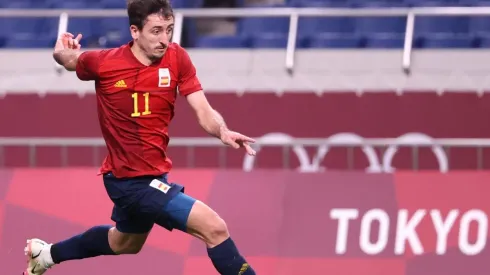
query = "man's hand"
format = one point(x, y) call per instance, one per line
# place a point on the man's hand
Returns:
point(67, 50)
point(68, 41)
point(237, 140)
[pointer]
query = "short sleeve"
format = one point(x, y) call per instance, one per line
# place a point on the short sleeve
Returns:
point(88, 65)
point(188, 82)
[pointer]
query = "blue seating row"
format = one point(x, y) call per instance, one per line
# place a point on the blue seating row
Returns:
point(343, 32)
point(84, 4)
point(344, 41)
point(75, 4)
point(276, 41)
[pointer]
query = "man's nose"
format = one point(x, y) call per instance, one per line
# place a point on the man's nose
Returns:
point(165, 39)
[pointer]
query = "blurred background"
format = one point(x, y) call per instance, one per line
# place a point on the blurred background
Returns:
point(370, 114)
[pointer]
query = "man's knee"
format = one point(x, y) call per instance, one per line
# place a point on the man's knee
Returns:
point(217, 231)
point(124, 243)
point(206, 225)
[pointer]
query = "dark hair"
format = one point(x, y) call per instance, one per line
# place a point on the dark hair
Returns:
point(138, 10)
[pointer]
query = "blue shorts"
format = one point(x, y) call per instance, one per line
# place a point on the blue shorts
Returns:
point(141, 202)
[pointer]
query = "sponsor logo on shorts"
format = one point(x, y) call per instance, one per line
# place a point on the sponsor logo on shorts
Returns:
point(160, 185)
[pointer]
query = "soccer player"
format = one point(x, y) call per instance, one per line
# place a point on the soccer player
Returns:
point(136, 87)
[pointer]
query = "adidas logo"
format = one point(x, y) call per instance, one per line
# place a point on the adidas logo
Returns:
point(120, 84)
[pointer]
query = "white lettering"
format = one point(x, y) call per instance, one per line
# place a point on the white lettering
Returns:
point(405, 231)
point(366, 225)
point(442, 228)
point(481, 219)
point(343, 216)
point(375, 224)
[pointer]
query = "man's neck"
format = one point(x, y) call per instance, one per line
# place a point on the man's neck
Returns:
point(142, 58)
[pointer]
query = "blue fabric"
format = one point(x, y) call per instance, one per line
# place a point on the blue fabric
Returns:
point(228, 261)
point(140, 202)
point(93, 242)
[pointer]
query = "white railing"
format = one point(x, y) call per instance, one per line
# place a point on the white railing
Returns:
point(292, 13)
point(269, 142)
point(377, 164)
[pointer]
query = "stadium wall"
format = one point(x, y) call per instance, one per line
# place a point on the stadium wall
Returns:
point(259, 70)
point(442, 98)
point(298, 224)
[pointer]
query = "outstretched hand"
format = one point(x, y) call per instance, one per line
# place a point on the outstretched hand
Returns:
point(68, 41)
point(237, 140)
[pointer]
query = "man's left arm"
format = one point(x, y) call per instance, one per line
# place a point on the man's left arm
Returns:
point(209, 119)
point(214, 124)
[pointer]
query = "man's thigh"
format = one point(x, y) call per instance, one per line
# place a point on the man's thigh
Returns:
point(139, 202)
point(176, 213)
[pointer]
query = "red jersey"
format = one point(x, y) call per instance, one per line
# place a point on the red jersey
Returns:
point(135, 104)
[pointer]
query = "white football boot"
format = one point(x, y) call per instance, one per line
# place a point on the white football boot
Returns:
point(39, 259)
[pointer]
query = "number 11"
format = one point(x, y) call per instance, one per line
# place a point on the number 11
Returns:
point(147, 111)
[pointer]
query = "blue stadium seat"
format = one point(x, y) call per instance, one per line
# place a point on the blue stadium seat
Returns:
point(190, 32)
point(22, 26)
point(480, 25)
point(88, 27)
point(395, 41)
point(368, 26)
point(73, 4)
point(239, 3)
point(116, 25)
point(176, 4)
point(374, 25)
point(187, 3)
point(443, 41)
point(114, 41)
point(334, 41)
point(272, 40)
point(256, 26)
point(433, 3)
point(218, 41)
point(442, 31)
point(113, 4)
point(378, 3)
point(70, 5)
point(483, 41)
point(319, 3)
point(18, 5)
point(470, 3)
point(31, 4)
point(308, 26)
point(269, 41)
point(261, 25)
point(3, 41)
point(428, 25)
point(314, 25)
point(29, 41)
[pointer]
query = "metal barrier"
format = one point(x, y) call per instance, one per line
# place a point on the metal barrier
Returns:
point(292, 13)
point(440, 147)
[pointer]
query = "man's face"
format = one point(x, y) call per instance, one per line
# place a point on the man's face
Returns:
point(155, 36)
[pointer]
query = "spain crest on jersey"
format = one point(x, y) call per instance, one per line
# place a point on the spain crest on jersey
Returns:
point(163, 77)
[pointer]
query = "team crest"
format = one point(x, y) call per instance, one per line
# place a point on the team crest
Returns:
point(160, 186)
point(163, 77)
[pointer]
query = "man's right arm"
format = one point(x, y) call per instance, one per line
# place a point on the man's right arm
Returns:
point(67, 58)
point(67, 53)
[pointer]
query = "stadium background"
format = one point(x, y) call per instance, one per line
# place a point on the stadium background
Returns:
point(327, 119)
